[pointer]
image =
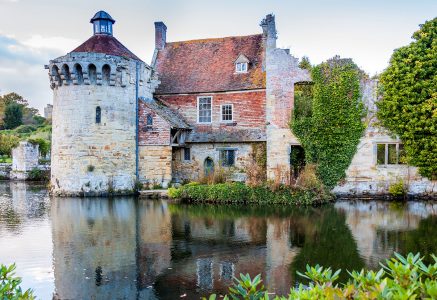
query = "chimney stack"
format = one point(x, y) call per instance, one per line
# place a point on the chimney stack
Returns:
point(269, 31)
point(160, 35)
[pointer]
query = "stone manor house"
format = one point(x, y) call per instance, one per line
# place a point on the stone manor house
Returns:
point(200, 105)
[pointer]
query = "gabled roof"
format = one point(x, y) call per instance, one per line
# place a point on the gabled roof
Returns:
point(107, 44)
point(174, 119)
point(209, 65)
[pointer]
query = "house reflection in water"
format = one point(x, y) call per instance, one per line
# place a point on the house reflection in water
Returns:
point(135, 249)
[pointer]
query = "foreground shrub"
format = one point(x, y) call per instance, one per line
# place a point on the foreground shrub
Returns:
point(397, 189)
point(240, 193)
point(10, 285)
point(400, 278)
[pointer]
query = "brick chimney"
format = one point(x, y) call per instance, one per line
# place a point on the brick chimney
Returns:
point(160, 35)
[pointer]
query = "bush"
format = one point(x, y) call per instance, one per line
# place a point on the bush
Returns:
point(240, 193)
point(7, 143)
point(397, 189)
point(25, 129)
point(400, 278)
point(10, 285)
point(37, 175)
point(44, 145)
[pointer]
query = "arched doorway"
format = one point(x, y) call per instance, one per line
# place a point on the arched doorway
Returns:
point(208, 166)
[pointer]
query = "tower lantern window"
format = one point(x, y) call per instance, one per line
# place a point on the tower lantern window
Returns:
point(102, 22)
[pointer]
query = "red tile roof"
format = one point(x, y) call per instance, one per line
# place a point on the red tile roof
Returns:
point(208, 65)
point(107, 44)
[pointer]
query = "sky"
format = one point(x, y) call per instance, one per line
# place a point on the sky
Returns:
point(34, 31)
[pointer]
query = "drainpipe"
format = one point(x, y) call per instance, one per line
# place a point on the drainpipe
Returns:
point(137, 66)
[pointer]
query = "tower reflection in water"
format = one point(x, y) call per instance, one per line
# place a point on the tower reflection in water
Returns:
point(140, 249)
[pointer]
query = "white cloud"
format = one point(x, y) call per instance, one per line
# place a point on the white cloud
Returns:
point(22, 66)
point(60, 43)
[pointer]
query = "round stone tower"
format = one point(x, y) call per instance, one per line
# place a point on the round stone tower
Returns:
point(94, 136)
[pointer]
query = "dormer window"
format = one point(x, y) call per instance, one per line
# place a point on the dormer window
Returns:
point(241, 64)
point(241, 67)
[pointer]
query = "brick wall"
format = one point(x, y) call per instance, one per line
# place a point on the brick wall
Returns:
point(158, 133)
point(248, 108)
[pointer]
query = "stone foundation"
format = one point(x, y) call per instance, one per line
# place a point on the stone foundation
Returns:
point(155, 165)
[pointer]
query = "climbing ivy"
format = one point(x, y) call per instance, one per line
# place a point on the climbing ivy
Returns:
point(409, 103)
point(328, 118)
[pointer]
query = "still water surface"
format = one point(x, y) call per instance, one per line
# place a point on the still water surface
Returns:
point(126, 248)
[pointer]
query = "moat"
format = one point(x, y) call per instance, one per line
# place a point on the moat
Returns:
point(129, 248)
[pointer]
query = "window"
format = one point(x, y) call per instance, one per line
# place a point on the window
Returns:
point(106, 74)
point(204, 109)
point(227, 158)
point(389, 154)
point(227, 113)
point(241, 67)
point(187, 154)
point(149, 121)
point(98, 115)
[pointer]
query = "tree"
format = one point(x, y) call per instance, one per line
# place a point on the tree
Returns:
point(7, 143)
point(330, 127)
point(305, 63)
point(13, 116)
point(13, 98)
point(409, 98)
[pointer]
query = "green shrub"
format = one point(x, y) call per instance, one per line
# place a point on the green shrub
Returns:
point(7, 143)
point(25, 129)
point(240, 193)
point(400, 278)
point(174, 193)
point(37, 175)
point(397, 189)
point(10, 285)
point(90, 168)
point(44, 145)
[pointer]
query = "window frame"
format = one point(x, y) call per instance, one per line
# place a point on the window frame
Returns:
point(184, 154)
point(241, 64)
point(386, 154)
point(232, 113)
point(198, 109)
point(98, 115)
point(224, 163)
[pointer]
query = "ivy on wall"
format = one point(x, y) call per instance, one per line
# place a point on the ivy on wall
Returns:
point(327, 118)
point(409, 98)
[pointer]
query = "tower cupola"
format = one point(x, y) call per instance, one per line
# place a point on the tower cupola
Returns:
point(102, 23)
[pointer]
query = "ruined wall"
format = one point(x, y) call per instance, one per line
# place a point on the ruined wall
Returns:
point(24, 159)
point(155, 164)
point(248, 109)
point(88, 157)
point(158, 133)
point(193, 169)
point(364, 175)
point(282, 72)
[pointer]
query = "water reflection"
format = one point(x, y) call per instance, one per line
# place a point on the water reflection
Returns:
point(126, 248)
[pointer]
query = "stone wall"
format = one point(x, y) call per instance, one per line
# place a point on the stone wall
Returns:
point(364, 175)
point(155, 164)
point(24, 158)
point(282, 73)
point(158, 133)
point(193, 169)
point(90, 157)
